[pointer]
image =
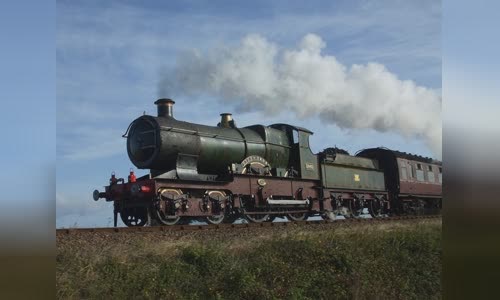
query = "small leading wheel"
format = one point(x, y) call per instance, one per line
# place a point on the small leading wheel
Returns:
point(257, 218)
point(134, 216)
point(297, 216)
point(375, 208)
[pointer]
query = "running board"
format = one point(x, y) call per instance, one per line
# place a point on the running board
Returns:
point(287, 202)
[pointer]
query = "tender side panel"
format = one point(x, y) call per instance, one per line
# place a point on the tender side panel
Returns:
point(348, 177)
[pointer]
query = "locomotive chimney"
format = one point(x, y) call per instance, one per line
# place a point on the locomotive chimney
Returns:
point(226, 121)
point(165, 107)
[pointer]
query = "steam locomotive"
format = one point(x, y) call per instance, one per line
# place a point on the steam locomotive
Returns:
point(223, 173)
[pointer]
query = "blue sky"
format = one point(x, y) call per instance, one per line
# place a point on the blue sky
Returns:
point(471, 75)
point(27, 94)
point(27, 78)
point(109, 56)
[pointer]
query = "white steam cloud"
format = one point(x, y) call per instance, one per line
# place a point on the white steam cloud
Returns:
point(256, 75)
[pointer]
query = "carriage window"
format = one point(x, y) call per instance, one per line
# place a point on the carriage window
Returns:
point(420, 175)
point(430, 168)
point(412, 170)
point(440, 175)
point(430, 176)
point(404, 175)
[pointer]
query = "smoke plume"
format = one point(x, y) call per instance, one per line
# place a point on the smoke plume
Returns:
point(256, 75)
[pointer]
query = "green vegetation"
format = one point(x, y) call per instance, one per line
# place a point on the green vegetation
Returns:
point(360, 263)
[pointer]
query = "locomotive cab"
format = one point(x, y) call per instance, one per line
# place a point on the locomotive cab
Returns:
point(302, 160)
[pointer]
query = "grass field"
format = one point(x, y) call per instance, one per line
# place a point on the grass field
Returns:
point(400, 261)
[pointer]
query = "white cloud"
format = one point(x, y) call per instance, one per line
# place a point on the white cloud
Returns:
point(254, 76)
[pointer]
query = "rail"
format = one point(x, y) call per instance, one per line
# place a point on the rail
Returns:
point(243, 225)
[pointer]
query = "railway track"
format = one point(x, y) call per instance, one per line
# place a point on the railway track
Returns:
point(341, 222)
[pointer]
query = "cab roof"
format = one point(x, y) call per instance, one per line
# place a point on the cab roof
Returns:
point(280, 125)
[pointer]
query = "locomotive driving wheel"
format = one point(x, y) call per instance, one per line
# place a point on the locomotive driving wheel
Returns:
point(297, 216)
point(257, 218)
point(230, 219)
point(217, 219)
point(163, 217)
point(134, 216)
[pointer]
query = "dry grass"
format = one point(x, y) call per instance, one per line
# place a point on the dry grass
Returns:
point(400, 260)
